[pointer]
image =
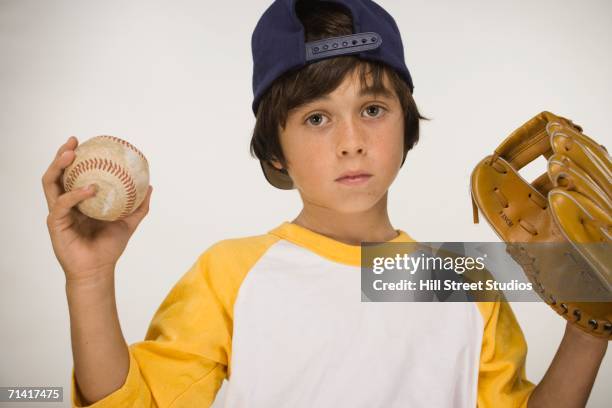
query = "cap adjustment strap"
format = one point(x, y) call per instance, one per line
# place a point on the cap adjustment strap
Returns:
point(347, 44)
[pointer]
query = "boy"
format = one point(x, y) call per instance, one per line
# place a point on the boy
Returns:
point(279, 314)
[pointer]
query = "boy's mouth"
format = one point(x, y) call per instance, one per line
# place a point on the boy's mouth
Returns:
point(353, 177)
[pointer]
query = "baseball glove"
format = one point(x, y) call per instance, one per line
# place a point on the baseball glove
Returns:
point(569, 205)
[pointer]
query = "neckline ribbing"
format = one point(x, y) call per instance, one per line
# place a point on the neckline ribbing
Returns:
point(326, 246)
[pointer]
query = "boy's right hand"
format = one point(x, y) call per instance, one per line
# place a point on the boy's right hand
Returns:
point(86, 248)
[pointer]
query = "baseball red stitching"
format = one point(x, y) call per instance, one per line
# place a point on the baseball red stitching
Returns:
point(124, 143)
point(110, 167)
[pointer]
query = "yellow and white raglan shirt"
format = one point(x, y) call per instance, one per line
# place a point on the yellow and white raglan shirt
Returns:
point(280, 316)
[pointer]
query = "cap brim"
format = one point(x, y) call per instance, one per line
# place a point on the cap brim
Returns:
point(275, 177)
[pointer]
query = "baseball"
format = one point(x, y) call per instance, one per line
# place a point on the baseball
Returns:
point(119, 171)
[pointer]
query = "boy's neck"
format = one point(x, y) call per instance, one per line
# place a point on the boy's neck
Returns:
point(372, 225)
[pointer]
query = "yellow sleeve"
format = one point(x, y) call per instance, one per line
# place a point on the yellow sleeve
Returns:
point(184, 357)
point(501, 379)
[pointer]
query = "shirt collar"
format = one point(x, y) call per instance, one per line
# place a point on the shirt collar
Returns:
point(326, 246)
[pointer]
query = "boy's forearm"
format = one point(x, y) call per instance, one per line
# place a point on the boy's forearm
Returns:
point(571, 375)
point(100, 353)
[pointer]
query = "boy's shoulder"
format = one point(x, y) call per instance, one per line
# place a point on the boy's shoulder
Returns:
point(236, 254)
point(241, 245)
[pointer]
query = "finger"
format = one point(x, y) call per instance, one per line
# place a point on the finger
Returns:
point(66, 201)
point(51, 180)
point(136, 217)
point(70, 144)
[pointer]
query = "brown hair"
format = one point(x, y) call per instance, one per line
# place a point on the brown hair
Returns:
point(297, 87)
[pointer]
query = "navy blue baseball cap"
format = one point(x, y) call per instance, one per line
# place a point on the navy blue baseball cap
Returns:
point(278, 45)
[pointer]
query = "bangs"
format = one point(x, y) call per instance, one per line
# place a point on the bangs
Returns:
point(322, 78)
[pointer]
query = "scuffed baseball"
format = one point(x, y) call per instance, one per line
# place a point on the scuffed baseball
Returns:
point(117, 168)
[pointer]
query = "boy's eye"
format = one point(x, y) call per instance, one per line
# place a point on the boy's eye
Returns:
point(377, 108)
point(373, 112)
point(317, 116)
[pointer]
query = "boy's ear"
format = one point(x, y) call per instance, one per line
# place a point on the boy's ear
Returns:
point(277, 165)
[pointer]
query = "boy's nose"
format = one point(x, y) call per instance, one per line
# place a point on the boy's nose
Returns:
point(351, 140)
point(347, 152)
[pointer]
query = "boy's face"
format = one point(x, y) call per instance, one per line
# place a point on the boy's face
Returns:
point(341, 132)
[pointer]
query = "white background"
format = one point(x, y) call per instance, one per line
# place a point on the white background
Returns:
point(174, 78)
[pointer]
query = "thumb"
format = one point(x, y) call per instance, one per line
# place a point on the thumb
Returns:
point(136, 217)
